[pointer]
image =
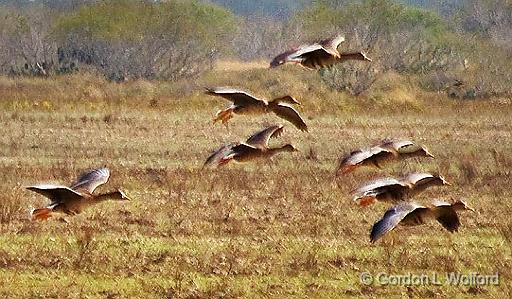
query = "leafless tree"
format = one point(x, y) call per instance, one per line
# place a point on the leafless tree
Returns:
point(26, 45)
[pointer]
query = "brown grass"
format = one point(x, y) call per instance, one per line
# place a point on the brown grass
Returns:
point(283, 230)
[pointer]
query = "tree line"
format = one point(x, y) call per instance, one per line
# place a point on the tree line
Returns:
point(120, 39)
point(442, 42)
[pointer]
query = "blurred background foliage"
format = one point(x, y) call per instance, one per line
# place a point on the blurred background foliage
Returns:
point(443, 45)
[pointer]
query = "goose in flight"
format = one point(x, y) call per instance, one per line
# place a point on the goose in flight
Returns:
point(383, 189)
point(318, 55)
point(245, 103)
point(411, 214)
point(406, 148)
point(255, 147)
point(78, 196)
point(391, 189)
point(423, 180)
point(373, 156)
point(387, 150)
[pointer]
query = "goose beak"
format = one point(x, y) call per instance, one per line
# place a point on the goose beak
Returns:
point(366, 57)
point(470, 208)
point(124, 196)
point(445, 182)
point(428, 154)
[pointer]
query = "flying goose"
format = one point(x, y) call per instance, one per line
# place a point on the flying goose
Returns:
point(391, 189)
point(245, 103)
point(405, 148)
point(387, 150)
point(373, 156)
point(78, 196)
point(255, 147)
point(411, 214)
point(318, 55)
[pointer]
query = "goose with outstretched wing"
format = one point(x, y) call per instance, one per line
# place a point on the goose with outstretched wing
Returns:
point(420, 181)
point(79, 196)
point(318, 55)
point(254, 148)
point(412, 214)
point(383, 189)
point(373, 157)
point(406, 148)
point(243, 103)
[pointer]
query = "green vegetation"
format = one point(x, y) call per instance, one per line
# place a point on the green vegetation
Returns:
point(133, 21)
point(123, 39)
point(439, 44)
point(436, 43)
point(286, 230)
point(120, 83)
point(275, 8)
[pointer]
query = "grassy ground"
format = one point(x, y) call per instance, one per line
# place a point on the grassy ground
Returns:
point(285, 230)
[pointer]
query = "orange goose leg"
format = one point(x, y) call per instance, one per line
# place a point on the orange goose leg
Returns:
point(224, 116)
point(42, 214)
point(366, 201)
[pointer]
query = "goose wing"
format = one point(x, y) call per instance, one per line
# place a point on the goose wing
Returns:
point(415, 177)
point(260, 139)
point(288, 113)
point(307, 50)
point(361, 155)
point(90, 180)
point(392, 218)
point(403, 146)
point(238, 97)
point(379, 186)
point(395, 144)
point(446, 215)
point(440, 203)
point(331, 44)
point(300, 54)
point(219, 154)
point(55, 193)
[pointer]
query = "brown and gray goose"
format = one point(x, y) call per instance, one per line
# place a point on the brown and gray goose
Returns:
point(373, 157)
point(254, 148)
point(423, 180)
point(74, 199)
point(391, 189)
point(406, 148)
point(318, 55)
point(383, 189)
point(411, 214)
point(245, 104)
point(387, 150)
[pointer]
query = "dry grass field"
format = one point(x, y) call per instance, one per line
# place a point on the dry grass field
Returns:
point(285, 230)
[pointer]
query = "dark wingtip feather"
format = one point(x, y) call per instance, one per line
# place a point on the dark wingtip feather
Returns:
point(378, 230)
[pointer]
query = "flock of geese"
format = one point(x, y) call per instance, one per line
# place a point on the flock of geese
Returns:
point(73, 199)
point(400, 190)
